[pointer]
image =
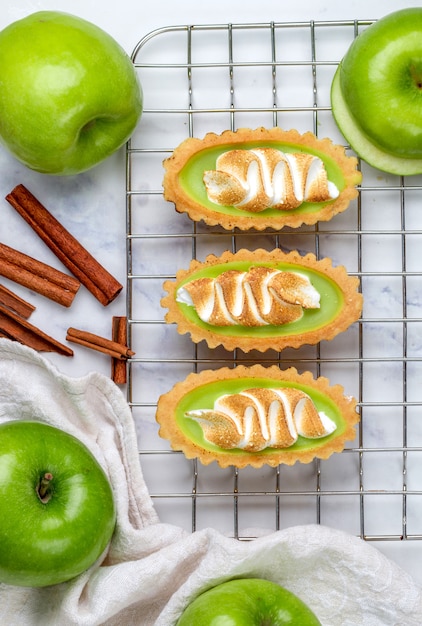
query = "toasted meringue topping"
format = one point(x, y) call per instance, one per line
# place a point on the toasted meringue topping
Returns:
point(258, 297)
point(261, 418)
point(255, 180)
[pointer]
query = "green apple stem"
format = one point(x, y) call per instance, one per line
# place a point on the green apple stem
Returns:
point(44, 487)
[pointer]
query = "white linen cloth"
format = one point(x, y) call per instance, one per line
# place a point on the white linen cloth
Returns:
point(153, 570)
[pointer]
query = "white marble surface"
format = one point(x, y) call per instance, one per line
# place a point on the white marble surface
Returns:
point(92, 207)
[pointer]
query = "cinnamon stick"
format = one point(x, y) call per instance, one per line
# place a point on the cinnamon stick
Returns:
point(37, 276)
point(101, 344)
point(119, 334)
point(19, 329)
point(68, 249)
point(15, 303)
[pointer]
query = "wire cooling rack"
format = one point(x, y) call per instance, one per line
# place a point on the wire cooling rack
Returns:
point(205, 78)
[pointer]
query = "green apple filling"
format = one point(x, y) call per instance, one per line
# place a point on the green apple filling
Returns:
point(202, 179)
point(279, 299)
point(258, 415)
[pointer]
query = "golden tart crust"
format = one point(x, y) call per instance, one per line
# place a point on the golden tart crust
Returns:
point(174, 422)
point(212, 213)
point(346, 301)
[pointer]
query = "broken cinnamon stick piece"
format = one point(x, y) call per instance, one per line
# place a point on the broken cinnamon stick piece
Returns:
point(19, 329)
point(37, 276)
point(68, 249)
point(15, 303)
point(101, 344)
point(119, 334)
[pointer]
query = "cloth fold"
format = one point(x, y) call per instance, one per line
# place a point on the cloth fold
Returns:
point(152, 570)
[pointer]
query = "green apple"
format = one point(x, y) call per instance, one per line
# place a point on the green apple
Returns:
point(69, 94)
point(57, 512)
point(376, 94)
point(247, 602)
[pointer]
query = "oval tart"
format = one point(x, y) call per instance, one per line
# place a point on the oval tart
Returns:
point(262, 178)
point(260, 300)
point(256, 416)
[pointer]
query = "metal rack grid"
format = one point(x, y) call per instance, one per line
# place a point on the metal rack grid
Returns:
point(205, 78)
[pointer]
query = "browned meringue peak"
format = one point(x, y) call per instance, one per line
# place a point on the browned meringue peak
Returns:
point(258, 297)
point(260, 418)
point(254, 180)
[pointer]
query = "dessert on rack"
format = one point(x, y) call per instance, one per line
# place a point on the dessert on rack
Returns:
point(256, 416)
point(262, 178)
point(261, 300)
